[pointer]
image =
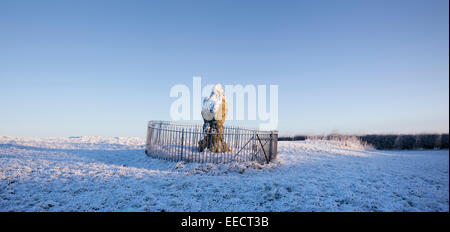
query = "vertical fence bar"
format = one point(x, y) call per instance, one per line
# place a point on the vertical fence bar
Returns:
point(270, 146)
point(159, 134)
point(275, 144)
point(188, 144)
point(182, 143)
point(193, 144)
point(151, 142)
point(171, 144)
point(165, 143)
point(164, 137)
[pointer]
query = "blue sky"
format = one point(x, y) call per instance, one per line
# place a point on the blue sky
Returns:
point(106, 67)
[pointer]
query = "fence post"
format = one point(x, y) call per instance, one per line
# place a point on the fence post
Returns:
point(275, 144)
point(159, 133)
point(182, 143)
point(148, 140)
point(270, 146)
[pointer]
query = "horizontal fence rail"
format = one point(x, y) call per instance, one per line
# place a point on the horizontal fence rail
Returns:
point(180, 142)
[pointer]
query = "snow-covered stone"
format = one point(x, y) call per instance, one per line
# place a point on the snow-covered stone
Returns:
point(212, 108)
point(214, 113)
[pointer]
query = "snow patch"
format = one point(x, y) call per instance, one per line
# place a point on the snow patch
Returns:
point(113, 174)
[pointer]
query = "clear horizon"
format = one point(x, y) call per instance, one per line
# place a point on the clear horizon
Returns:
point(105, 68)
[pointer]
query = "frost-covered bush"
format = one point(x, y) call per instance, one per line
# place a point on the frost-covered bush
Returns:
point(350, 141)
point(405, 142)
point(380, 141)
point(385, 142)
point(428, 141)
point(300, 137)
point(444, 141)
point(422, 141)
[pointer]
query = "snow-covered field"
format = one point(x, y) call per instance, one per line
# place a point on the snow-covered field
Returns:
point(114, 174)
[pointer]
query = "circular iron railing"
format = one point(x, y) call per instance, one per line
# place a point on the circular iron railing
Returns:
point(180, 142)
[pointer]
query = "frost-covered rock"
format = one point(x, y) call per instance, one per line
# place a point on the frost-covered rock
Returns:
point(215, 106)
point(214, 113)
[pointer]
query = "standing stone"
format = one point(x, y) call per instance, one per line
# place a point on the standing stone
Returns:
point(214, 112)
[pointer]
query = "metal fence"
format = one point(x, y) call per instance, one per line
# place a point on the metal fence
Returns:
point(180, 141)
